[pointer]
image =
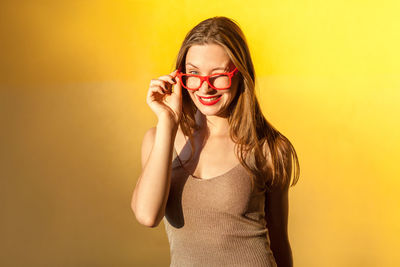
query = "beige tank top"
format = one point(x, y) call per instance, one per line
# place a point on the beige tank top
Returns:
point(217, 221)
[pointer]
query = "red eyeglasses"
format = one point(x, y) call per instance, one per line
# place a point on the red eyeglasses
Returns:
point(218, 81)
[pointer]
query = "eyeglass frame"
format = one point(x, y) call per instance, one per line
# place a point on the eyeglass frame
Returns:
point(206, 78)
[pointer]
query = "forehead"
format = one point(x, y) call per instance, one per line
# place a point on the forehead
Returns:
point(207, 56)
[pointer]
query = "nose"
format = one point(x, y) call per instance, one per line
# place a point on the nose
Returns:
point(205, 88)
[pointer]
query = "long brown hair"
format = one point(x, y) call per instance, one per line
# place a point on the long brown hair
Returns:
point(264, 152)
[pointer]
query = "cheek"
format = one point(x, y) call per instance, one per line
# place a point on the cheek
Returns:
point(233, 90)
point(226, 98)
point(192, 97)
point(229, 97)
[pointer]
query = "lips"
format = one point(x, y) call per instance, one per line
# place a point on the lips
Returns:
point(208, 96)
point(208, 102)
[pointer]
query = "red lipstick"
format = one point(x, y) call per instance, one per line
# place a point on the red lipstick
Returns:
point(209, 103)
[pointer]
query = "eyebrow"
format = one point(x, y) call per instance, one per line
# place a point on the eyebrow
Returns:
point(218, 68)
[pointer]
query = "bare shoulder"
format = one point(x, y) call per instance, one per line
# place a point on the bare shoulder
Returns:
point(147, 144)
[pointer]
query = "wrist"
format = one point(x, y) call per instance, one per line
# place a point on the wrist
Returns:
point(167, 122)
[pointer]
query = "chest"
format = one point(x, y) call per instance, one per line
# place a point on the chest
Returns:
point(230, 193)
point(211, 157)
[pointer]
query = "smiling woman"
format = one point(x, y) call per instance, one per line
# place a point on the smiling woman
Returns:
point(224, 195)
point(212, 60)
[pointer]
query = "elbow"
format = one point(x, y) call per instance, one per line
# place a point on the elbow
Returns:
point(145, 220)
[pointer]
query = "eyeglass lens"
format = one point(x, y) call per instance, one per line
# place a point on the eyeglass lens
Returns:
point(193, 82)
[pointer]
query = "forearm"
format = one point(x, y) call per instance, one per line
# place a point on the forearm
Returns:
point(152, 189)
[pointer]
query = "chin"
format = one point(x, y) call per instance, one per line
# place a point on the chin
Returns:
point(210, 111)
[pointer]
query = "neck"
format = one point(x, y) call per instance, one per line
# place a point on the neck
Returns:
point(213, 125)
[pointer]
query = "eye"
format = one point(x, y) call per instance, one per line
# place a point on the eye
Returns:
point(193, 72)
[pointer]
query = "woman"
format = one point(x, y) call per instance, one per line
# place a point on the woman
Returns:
point(224, 195)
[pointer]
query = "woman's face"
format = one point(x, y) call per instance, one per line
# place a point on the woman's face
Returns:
point(206, 60)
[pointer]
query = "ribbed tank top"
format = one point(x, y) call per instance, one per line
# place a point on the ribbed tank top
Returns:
point(217, 221)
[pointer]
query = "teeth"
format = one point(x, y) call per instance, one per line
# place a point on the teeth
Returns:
point(209, 99)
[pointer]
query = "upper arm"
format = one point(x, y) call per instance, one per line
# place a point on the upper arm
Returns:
point(277, 210)
point(147, 145)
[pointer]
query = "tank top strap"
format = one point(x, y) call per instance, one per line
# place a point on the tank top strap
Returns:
point(176, 156)
point(174, 153)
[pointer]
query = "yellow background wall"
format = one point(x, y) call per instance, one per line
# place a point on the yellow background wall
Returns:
point(73, 82)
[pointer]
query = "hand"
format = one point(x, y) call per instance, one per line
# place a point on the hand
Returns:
point(165, 97)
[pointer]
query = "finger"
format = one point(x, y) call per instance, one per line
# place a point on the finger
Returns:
point(168, 78)
point(157, 91)
point(159, 83)
point(178, 87)
point(166, 82)
point(173, 74)
point(161, 90)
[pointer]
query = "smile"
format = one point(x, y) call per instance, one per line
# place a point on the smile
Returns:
point(209, 100)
